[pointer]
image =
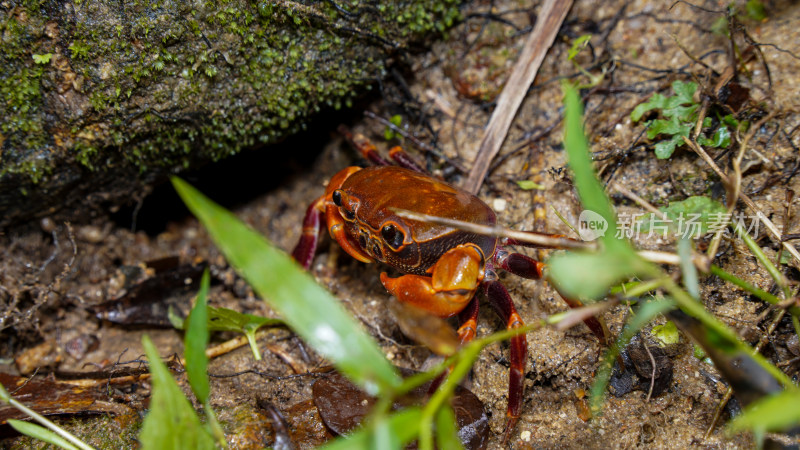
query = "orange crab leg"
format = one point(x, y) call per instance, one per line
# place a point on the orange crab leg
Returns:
point(363, 145)
point(404, 159)
point(452, 284)
point(468, 318)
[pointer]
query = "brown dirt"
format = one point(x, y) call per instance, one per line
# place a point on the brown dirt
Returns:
point(53, 292)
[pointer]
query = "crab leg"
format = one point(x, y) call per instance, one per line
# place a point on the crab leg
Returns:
point(468, 318)
point(306, 246)
point(403, 159)
point(454, 279)
point(527, 267)
point(501, 301)
point(370, 153)
point(363, 145)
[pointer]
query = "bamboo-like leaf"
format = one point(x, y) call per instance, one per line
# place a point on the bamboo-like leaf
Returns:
point(195, 342)
point(172, 422)
point(774, 413)
point(391, 432)
point(307, 308)
point(447, 430)
point(39, 432)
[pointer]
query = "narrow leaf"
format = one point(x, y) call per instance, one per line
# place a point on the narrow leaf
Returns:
point(195, 342)
point(39, 432)
point(447, 430)
point(309, 309)
point(171, 422)
point(688, 270)
point(774, 413)
point(403, 425)
point(644, 314)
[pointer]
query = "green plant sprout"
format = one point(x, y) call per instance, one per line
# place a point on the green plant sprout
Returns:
point(679, 114)
point(577, 45)
point(172, 422)
point(224, 319)
point(388, 132)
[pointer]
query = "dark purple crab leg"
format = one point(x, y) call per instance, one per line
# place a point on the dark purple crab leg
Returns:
point(370, 153)
point(403, 159)
point(306, 246)
point(527, 267)
point(367, 148)
point(502, 303)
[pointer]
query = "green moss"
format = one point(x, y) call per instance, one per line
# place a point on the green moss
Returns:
point(21, 126)
point(220, 79)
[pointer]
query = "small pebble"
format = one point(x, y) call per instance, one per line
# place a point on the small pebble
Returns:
point(499, 204)
point(47, 224)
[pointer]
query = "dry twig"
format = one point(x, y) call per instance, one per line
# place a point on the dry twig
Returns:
point(531, 57)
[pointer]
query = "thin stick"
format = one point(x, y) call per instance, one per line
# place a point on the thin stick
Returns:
point(544, 240)
point(530, 59)
point(773, 230)
point(211, 352)
point(499, 231)
point(639, 200)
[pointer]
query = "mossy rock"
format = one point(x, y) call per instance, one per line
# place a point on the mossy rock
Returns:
point(100, 98)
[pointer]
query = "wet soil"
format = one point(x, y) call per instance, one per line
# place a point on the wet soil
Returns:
point(51, 274)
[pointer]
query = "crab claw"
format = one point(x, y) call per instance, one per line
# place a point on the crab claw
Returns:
point(452, 284)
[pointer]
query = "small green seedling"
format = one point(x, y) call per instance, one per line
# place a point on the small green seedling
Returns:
point(577, 45)
point(689, 218)
point(389, 132)
point(679, 115)
point(224, 319)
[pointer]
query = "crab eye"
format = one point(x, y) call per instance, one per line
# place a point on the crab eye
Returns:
point(337, 197)
point(392, 236)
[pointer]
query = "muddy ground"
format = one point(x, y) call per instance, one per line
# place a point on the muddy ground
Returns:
point(52, 274)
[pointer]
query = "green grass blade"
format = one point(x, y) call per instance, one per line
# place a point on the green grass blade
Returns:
point(760, 293)
point(688, 270)
point(194, 351)
point(41, 433)
point(589, 275)
point(589, 188)
point(307, 308)
point(195, 342)
point(774, 413)
point(5, 397)
point(402, 426)
point(646, 312)
point(447, 430)
point(172, 422)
